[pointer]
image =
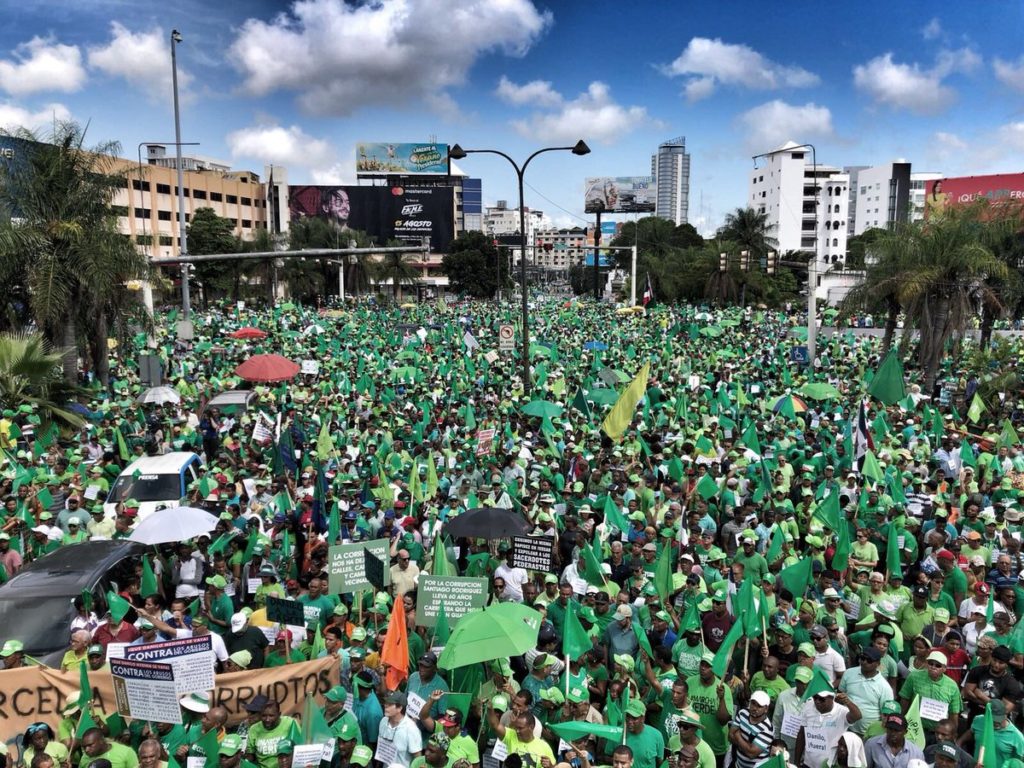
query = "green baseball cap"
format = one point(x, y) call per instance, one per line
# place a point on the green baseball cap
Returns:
point(231, 745)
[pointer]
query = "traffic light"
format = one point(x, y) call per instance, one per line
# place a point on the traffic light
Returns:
point(723, 262)
point(772, 262)
point(745, 261)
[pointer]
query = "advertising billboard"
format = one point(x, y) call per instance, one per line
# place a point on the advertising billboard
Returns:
point(384, 213)
point(619, 194)
point(401, 159)
point(962, 190)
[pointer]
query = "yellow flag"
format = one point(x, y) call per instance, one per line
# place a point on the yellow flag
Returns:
point(621, 414)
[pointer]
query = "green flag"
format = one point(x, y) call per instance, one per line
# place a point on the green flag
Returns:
point(579, 402)
point(892, 554)
point(887, 384)
point(985, 750)
point(967, 454)
point(977, 408)
point(148, 585)
point(797, 577)
point(841, 556)
point(324, 444)
point(871, 468)
point(775, 545)
point(432, 481)
point(663, 573)
point(576, 729)
point(118, 606)
point(707, 488)
point(613, 516)
point(442, 630)
point(440, 565)
point(691, 619)
point(592, 567)
point(575, 640)
point(315, 729)
point(85, 722)
point(749, 439)
point(209, 746)
point(827, 512)
point(915, 729)
point(122, 446)
point(724, 653)
point(84, 687)
point(819, 682)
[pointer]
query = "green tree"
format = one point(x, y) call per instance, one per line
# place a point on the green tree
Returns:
point(396, 268)
point(859, 248)
point(472, 264)
point(884, 287)
point(749, 229)
point(663, 252)
point(63, 244)
point(31, 376)
point(1003, 235)
point(209, 233)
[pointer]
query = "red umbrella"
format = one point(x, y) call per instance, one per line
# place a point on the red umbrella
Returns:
point(248, 333)
point(268, 368)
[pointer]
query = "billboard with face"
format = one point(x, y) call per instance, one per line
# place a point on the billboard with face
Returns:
point(401, 159)
point(384, 213)
point(998, 189)
point(619, 194)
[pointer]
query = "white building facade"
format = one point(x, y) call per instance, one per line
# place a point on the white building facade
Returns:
point(882, 196)
point(670, 167)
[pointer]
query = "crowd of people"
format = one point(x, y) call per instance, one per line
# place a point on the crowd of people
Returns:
point(768, 562)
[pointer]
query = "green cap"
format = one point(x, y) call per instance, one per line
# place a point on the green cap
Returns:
point(217, 581)
point(337, 693)
point(231, 745)
point(803, 675)
point(361, 755)
point(806, 649)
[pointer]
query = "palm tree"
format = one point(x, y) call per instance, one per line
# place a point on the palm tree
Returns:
point(60, 238)
point(31, 376)
point(882, 289)
point(749, 229)
point(397, 268)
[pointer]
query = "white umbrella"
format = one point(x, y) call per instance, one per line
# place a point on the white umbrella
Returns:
point(159, 395)
point(174, 524)
point(313, 329)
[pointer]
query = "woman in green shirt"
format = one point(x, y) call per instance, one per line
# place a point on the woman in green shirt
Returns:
point(863, 553)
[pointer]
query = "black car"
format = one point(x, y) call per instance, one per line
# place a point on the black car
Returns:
point(36, 606)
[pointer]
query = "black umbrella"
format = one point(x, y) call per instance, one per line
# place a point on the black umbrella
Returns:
point(488, 523)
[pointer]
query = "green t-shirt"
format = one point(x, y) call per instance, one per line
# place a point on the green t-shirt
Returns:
point(537, 748)
point(955, 584)
point(648, 747)
point(221, 609)
point(316, 609)
point(119, 756)
point(919, 683)
point(687, 657)
point(263, 742)
point(704, 701)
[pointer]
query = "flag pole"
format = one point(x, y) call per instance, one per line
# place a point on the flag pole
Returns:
point(568, 671)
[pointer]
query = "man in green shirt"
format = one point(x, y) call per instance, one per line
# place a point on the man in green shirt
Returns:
point(711, 699)
point(95, 747)
point(218, 605)
point(754, 565)
point(460, 745)
point(914, 616)
point(647, 743)
point(265, 735)
point(316, 606)
point(231, 755)
point(932, 683)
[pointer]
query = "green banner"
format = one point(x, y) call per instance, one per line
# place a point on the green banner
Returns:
point(346, 567)
point(460, 595)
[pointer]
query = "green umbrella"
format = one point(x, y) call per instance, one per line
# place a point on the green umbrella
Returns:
point(713, 331)
point(542, 408)
point(505, 629)
point(729, 322)
point(799, 333)
point(540, 350)
point(820, 391)
point(405, 372)
point(602, 396)
point(575, 729)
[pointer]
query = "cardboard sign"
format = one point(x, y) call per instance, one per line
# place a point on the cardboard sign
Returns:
point(346, 565)
point(484, 441)
point(191, 658)
point(145, 690)
point(311, 367)
point(286, 611)
point(534, 553)
point(460, 594)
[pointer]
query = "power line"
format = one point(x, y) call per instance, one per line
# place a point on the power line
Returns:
point(549, 200)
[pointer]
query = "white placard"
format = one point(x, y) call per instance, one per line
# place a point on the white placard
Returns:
point(414, 705)
point(229, 590)
point(307, 755)
point(92, 492)
point(348, 703)
point(145, 690)
point(491, 357)
point(932, 709)
point(386, 752)
point(253, 584)
point(500, 751)
point(190, 657)
point(195, 761)
point(310, 367)
point(115, 651)
point(791, 725)
point(270, 633)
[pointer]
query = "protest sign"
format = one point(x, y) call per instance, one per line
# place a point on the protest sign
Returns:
point(145, 690)
point(534, 553)
point(307, 755)
point(37, 694)
point(484, 441)
point(191, 658)
point(460, 594)
point(346, 565)
point(282, 611)
point(310, 367)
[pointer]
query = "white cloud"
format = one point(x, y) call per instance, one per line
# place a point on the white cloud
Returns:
point(1011, 137)
point(13, 116)
point(277, 145)
point(42, 64)
point(932, 30)
point(340, 56)
point(142, 59)
point(713, 62)
point(1000, 150)
point(537, 93)
point(770, 125)
point(592, 116)
point(909, 86)
point(1010, 73)
point(949, 142)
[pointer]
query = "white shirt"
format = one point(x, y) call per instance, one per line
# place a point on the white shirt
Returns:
point(404, 737)
point(830, 662)
point(514, 580)
point(822, 732)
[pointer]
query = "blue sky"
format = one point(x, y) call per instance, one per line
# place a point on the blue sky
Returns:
point(298, 84)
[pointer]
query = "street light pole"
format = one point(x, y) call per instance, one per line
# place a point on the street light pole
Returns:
point(458, 153)
point(186, 300)
point(812, 269)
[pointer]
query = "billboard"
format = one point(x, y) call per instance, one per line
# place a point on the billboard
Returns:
point(961, 190)
point(384, 213)
point(401, 159)
point(619, 194)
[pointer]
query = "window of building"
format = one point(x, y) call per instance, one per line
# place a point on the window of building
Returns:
point(199, 194)
point(164, 215)
point(144, 239)
point(835, 242)
point(835, 209)
point(140, 185)
point(142, 213)
point(216, 197)
point(246, 223)
point(231, 199)
point(163, 189)
point(246, 201)
point(119, 210)
point(166, 239)
point(187, 191)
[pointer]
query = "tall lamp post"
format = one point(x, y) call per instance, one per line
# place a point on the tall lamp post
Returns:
point(458, 153)
point(186, 300)
point(812, 269)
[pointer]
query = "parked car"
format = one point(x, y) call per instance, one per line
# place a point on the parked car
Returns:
point(233, 402)
point(36, 605)
point(156, 482)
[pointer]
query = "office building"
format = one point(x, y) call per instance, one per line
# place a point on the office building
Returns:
point(670, 167)
point(882, 196)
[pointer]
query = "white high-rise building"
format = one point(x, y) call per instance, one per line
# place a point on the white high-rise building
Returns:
point(502, 220)
point(882, 196)
point(795, 194)
point(670, 167)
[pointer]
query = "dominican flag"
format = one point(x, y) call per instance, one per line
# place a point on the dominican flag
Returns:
point(648, 291)
point(862, 442)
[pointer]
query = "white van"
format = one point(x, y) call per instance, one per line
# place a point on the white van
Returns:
point(161, 482)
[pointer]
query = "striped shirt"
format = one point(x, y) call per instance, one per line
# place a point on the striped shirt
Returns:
point(758, 734)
